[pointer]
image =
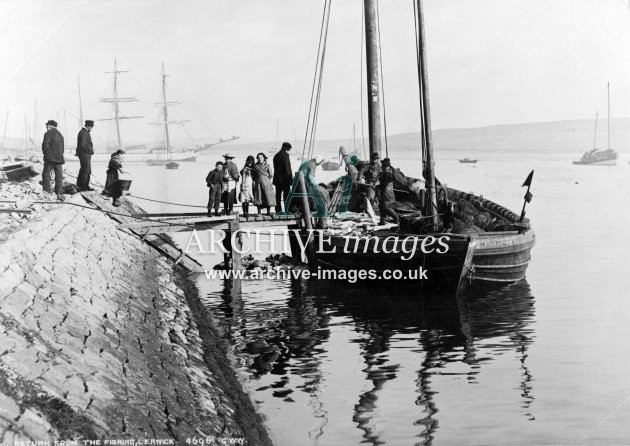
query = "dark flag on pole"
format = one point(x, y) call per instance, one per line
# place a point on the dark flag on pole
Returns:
point(528, 181)
point(528, 195)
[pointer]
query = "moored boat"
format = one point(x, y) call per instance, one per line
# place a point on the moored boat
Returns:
point(467, 161)
point(16, 171)
point(599, 157)
point(468, 239)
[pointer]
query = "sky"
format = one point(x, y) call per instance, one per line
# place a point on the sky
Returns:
point(243, 67)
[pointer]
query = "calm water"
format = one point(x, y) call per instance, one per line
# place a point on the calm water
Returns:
point(542, 362)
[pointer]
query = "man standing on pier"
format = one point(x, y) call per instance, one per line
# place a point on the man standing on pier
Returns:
point(52, 147)
point(282, 175)
point(85, 150)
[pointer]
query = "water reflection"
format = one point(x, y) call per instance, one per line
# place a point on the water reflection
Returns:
point(281, 334)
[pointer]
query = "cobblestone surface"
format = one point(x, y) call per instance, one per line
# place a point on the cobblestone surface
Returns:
point(98, 340)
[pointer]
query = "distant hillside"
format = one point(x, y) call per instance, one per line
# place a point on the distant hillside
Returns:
point(558, 136)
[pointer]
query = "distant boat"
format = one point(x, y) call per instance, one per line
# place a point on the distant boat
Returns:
point(16, 172)
point(165, 156)
point(468, 161)
point(330, 165)
point(599, 157)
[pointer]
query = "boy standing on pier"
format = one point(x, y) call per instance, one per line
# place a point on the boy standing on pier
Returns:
point(214, 181)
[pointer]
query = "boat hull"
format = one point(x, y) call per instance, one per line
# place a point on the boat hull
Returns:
point(501, 258)
point(387, 256)
point(16, 172)
point(610, 162)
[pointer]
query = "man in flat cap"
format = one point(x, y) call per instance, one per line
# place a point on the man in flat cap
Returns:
point(85, 150)
point(282, 175)
point(52, 147)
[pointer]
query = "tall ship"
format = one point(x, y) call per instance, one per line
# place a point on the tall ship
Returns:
point(468, 238)
point(599, 157)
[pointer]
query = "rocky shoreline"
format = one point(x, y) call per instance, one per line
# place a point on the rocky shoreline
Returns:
point(101, 338)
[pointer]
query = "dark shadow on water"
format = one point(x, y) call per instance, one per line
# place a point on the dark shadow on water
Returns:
point(291, 339)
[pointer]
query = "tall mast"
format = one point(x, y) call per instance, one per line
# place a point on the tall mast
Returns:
point(373, 84)
point(35, 125)
point(115, 100)
point(164, 121)
point(608, 115)
point(25, 134)
point(596, 119)
point(4, 135)
point(80, 103)
point(165, 113)
point(426, 115)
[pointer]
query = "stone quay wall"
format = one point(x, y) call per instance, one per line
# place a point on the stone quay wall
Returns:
point(101, 338)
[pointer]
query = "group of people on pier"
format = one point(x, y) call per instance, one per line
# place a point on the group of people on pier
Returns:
point(265, 188)
point(260, 185)
point(53, 148)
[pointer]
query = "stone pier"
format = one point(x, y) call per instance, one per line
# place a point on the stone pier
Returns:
point(101, 338)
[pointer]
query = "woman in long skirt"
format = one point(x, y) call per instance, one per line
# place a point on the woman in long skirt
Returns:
point(247, 187)
point(112, 186)
point(264, 195)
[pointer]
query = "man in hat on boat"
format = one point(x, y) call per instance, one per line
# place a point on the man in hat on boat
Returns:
point(230, 178)
point(369, 174)
point(282, 175)
point(52, 147)
point(214, 181)
point(84, 151)
point(385, 192)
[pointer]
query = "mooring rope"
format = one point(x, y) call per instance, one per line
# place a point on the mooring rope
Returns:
point(168, 202)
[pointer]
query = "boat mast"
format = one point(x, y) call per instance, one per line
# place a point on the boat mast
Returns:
point(80, 103)
point(372, 71)
point(596, 119)
point(165, 114)
point(426, 115)
point(25, 134)
point(608, 115)
point(115, 100)
point(35, 135)
point(4, 135)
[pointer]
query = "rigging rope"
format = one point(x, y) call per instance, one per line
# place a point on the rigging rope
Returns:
point(317, 80)
point(380, 60)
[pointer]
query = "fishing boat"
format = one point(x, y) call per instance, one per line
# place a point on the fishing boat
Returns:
point(599, 157)
point(467, 161)
point(456, 238)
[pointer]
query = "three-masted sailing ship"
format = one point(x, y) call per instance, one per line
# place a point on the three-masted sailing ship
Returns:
point(491, 244)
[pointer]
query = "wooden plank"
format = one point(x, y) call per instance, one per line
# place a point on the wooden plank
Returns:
point(237, 263)
point(161, 243)
point(19, 211)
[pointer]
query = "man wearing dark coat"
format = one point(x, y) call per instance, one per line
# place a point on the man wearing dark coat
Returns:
point(85, 150)
point(282, 175)
point(385, 191)
point(52, 147)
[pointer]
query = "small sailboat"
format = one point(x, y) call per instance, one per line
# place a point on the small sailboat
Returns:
point(467, 161)
point(598, 157)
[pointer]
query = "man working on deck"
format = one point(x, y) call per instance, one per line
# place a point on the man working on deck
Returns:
point(84, 151)
point(282, 175)
point(52, 147)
